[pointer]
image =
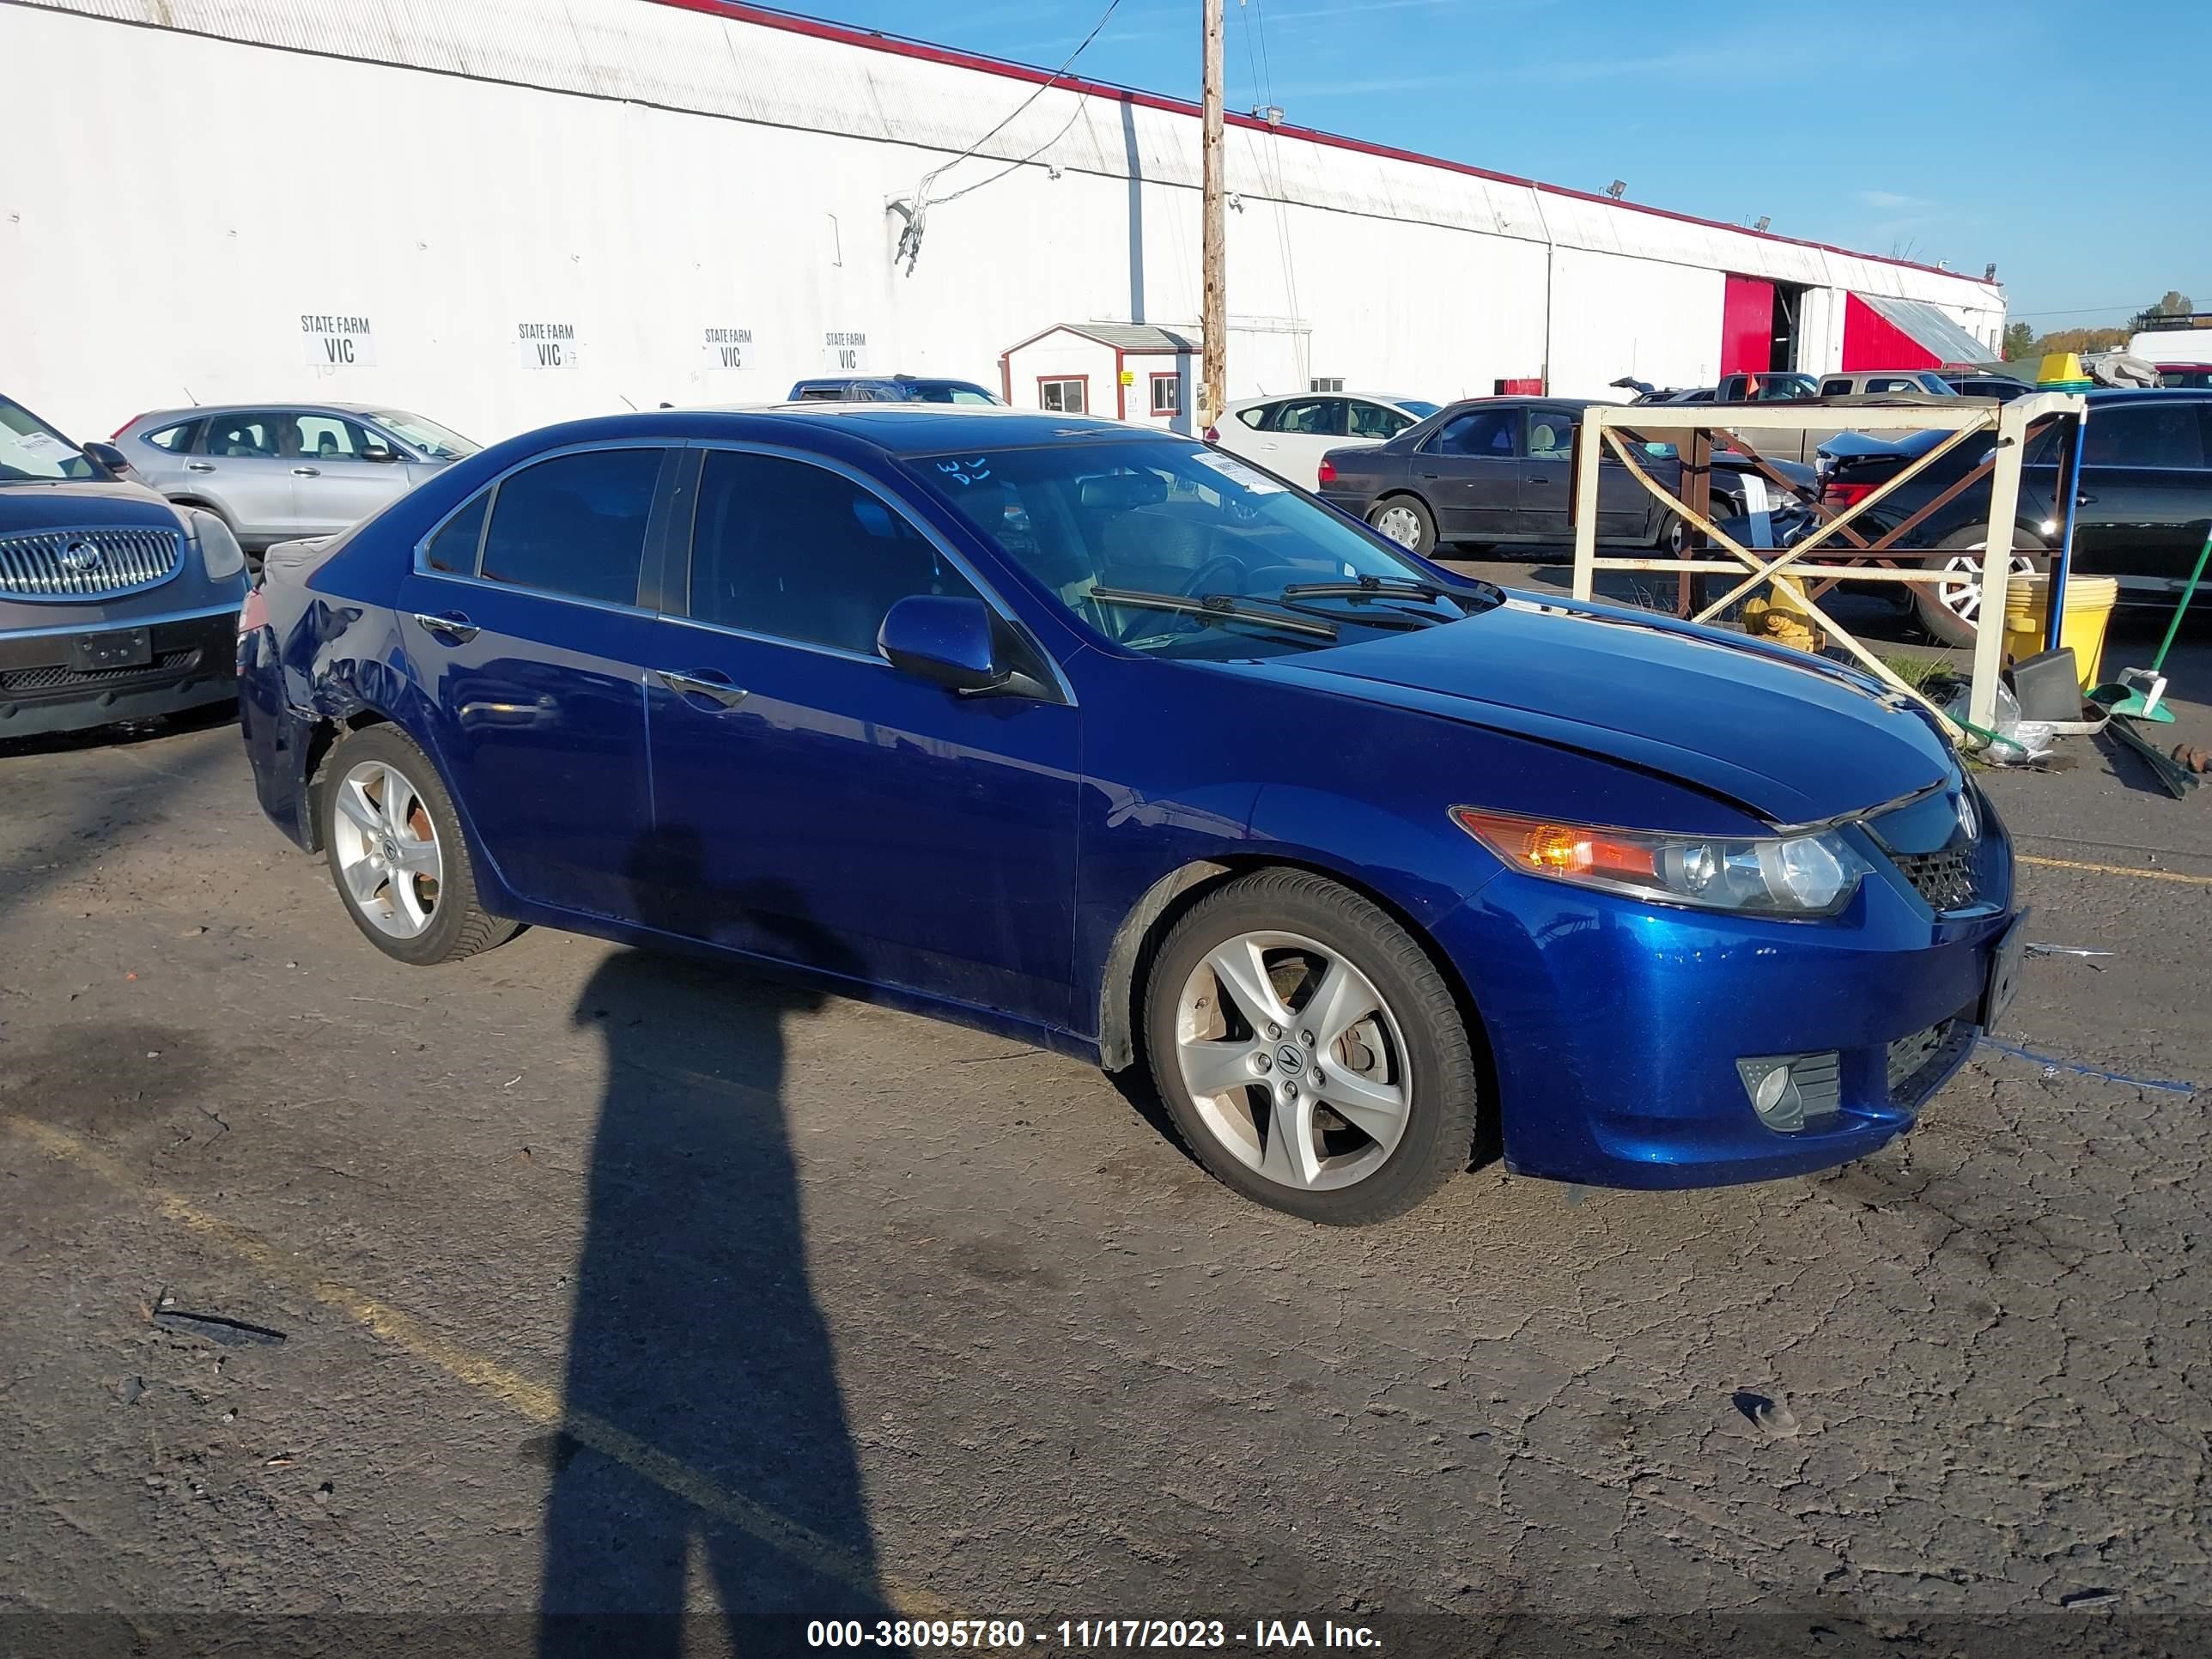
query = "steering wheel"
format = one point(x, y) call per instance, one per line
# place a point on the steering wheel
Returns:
point(1199, 580)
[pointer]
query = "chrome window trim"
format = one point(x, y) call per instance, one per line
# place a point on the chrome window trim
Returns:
point(613, 605)
point(989, 594)
point(109, 622)
point(838, 651)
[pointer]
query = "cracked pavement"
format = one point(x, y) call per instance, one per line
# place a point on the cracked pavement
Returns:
point(597, 1269)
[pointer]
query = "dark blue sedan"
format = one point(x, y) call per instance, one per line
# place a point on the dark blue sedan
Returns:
point(1095, 736)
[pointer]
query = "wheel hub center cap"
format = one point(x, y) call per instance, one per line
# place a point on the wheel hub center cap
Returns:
point(387, 849)
point(1290, 1058)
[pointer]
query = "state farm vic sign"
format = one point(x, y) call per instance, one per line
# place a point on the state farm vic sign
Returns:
point(546, 345)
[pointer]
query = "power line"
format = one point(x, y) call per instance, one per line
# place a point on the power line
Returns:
point(2130, 306)
point(910, 242)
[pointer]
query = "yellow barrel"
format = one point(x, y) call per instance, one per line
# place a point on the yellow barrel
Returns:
point(2089, 602)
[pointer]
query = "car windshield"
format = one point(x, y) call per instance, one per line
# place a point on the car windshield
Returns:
point(1172, 523)
point(439, 443)
point(31, 450)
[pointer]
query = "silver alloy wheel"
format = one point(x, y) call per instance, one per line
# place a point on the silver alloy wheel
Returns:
point(1294, 1064)
point(387, 849)
point(1401, 525)
point(1963, 599)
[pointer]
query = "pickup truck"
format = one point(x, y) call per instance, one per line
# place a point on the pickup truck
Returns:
point(1788, 386)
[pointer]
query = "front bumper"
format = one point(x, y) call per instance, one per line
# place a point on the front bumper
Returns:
point(192, 665)
point(1615, 1027)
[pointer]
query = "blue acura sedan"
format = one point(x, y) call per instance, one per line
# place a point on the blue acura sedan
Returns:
point(1095, 736)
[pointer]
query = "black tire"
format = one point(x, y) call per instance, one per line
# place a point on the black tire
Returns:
point(1668, 544)
point(1443, 1103)
point(1943, 623)
point(1423, 525)
point(458, 926)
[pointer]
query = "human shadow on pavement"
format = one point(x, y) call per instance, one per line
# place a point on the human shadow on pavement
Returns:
point(704, 1429)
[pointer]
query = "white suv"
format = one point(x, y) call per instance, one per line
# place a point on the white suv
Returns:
point(1289, 435)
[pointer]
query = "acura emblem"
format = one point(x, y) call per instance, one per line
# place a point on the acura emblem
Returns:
point(78, 557)
point(1970, 815)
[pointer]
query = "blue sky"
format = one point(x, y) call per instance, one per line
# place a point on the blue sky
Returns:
point(1938, 130)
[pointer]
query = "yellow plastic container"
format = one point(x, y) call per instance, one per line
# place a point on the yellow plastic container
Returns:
point(2089, 602)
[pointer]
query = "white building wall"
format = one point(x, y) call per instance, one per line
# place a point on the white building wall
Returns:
point(639, 174)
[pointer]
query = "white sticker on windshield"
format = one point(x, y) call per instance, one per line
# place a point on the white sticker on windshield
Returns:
point(1236, 472)
point(41, 443)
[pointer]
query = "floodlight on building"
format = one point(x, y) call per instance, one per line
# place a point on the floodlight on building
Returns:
point(1617, 189)
point(1763, 222)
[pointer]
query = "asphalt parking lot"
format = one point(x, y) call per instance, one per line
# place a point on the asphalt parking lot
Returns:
point(580, 1280)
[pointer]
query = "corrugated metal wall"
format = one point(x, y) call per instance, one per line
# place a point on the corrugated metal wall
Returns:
point(644, 173)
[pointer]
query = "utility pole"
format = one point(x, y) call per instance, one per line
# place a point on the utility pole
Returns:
point(1213, 325)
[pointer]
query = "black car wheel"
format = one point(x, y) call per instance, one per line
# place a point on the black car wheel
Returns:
point(1405, 521)
point(1951, 610)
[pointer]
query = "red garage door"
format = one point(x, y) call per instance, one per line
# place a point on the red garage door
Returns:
point(1746, 326)
point(1872, 341)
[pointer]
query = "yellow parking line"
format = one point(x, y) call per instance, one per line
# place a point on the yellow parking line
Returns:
point(2139, 874)
point(534, 1401)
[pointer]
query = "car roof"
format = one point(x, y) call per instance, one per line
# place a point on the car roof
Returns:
point(1291, 396)
point(273, 405)
point(895, 429)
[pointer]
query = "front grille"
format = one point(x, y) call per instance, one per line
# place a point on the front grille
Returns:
point(1945, 878)
point(20, 680)
point(1916, 1061)
point(86, 564)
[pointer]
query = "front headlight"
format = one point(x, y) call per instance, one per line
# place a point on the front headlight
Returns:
point(219, 550)
point(1806, 876)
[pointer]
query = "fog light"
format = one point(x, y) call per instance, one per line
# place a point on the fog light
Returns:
point(1787, 1089)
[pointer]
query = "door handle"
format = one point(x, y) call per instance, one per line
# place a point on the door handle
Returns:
point(199, 466)
point(716, 689)
point(306, 472)
point(1535, 478)
point(2084, 501)
point(452, 628)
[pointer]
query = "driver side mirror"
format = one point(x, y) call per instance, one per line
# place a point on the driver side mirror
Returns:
point(109, 456)
point(946, 639)
point(380, 452)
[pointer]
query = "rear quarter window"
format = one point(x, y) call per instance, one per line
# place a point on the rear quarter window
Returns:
point(175, 439)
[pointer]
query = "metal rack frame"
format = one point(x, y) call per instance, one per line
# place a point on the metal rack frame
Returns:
point(1696, 428)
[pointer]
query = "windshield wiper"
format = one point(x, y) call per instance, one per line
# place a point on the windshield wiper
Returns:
point(1211, 609)
point(1486, 594)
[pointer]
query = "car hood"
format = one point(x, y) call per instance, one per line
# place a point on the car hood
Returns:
point(1793, 739)
point(82, 504)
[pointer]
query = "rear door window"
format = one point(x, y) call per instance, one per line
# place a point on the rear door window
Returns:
point(1485, 433)
point(574, 525)
point(245, 437)
point(1312, 418)
point(1373, 420)
point(2162, 434)
point(1256, 416)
